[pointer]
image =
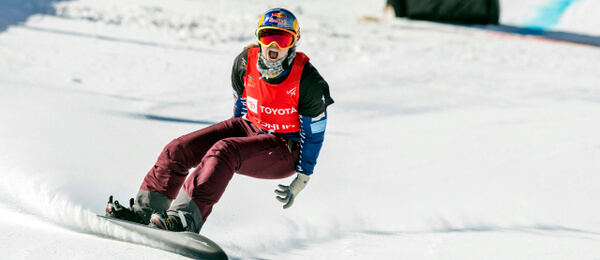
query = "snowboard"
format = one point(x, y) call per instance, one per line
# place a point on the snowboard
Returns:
point(185, 243)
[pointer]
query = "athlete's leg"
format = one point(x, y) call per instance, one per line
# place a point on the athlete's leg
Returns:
point(263, 156)
point(163, 182)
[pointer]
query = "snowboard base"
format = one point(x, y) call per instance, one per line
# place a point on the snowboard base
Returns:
point(186, 243)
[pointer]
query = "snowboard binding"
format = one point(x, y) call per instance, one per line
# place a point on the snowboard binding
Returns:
point(164, 221)
point(116, 210)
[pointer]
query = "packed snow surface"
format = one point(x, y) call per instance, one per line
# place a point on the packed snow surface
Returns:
point(444, 142)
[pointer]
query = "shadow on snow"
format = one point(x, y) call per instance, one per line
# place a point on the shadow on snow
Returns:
point(169, 119)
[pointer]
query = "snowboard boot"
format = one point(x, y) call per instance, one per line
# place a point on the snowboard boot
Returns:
point(148, 202)
point(115, 210)
point(184, 207)
point(165, 221)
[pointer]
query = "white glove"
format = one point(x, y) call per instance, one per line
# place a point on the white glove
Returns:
point(287, 194)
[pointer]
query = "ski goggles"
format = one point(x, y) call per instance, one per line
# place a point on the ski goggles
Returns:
point(268, 35)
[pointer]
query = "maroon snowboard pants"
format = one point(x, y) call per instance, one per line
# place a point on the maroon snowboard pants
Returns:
point(217, 152)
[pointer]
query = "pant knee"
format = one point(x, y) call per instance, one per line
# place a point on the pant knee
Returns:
point(173, 149)
point(224, 151)
point(174, 156)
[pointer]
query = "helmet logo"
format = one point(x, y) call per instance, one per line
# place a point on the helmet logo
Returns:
point(278, 18)
point(279, 15)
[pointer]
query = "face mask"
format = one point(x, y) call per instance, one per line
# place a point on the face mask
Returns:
point(273, 69)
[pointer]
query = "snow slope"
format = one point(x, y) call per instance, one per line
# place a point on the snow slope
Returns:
point(444, 142)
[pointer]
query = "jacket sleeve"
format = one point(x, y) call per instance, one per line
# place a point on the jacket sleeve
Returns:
point(313, 102)
point(238, 72)
point(239, 107)
point(312, 134)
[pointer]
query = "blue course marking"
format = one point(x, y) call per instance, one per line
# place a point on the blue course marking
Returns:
point(549, 15)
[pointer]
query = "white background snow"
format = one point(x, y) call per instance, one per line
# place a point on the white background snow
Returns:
point(444, 142)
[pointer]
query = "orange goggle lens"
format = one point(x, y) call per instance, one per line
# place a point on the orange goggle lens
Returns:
point(268, 36)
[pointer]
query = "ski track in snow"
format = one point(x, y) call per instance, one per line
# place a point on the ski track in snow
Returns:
point(35, 195)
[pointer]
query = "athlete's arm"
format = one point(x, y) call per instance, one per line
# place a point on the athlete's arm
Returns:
point(238, 72)
point(313, 102)
point(312, 134)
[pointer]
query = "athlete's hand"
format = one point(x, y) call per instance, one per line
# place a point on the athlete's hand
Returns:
point(287, 194)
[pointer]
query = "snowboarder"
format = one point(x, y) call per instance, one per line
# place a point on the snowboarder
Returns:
point(277, 130)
